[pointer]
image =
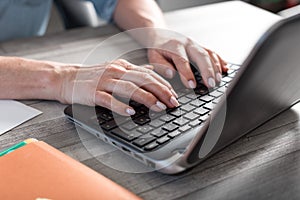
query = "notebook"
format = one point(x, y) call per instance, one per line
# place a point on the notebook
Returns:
point(207, 120)
point(39, 171)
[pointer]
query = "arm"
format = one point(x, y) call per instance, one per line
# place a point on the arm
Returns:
point(171, 54)
point(29, 79)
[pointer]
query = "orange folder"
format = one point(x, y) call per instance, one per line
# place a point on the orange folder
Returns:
point(39, 171)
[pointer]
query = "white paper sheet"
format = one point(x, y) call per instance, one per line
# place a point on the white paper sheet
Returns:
point(13, 113)
point(230, 28)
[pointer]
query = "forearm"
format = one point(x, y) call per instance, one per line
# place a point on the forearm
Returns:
point(28, 79)
point(139, 14)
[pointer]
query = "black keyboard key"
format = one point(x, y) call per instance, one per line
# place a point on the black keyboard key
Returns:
point(142, 120)
point(201, 89)
point(97, 120)
point(109, 125)
point(151, 146)
point(128, 136)
point(192, 96)
point(201, 111)
point(156, 123)
point(129, 125)
point(142, 141)
point(209, 106)
point(107, 116)
point(167, 118)
point(226, 79)
point(183, 100)
point(174, 134)
point(183, 92)
point(180, 121)
point(170, 127)
point(177, 113)
point(158, 132)
point(204, 117)
point(206, 98)
point(187, 107)
point(185, 128)
point(191, 116)
point(194, 123)
point(163, 140)
point(144, 129)
point(215, 94)
point(197, 103)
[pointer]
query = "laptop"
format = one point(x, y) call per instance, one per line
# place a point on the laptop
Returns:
point(249, 95)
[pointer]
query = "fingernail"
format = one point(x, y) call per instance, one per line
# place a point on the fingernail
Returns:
point(211, 82)
point(130, 111)
point(169, 73)
point(219, 77)
point(174, 101)
point(161, 105)
point(191, 84)
point(174, 93)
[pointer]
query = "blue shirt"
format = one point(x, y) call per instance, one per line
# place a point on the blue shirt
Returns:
point(24, 18)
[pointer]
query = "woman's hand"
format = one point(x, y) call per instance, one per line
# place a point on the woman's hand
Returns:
point(98, 85)
point(173, 55)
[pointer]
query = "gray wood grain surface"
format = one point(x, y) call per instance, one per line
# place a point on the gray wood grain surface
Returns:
point(261, 165)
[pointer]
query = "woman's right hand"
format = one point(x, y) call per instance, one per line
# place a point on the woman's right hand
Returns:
point(97, 85)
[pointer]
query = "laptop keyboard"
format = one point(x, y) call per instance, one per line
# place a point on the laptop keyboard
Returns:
point(148, 130)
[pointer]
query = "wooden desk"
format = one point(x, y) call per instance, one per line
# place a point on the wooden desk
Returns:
point(262, 165)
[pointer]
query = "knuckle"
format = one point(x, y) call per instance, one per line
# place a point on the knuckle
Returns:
point(129, 86)
point(147, 77)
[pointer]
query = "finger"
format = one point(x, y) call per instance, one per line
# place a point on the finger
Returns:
point(130, 90)
point(161, 64)
point(223, 64)
point(108, 101)
point(201, 57)
point(216, 65)
point(149, 83)
point(130, 66)
point(183, 67)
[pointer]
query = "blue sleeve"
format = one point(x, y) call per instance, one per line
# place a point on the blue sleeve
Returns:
point(23, 18)
point(105, 8)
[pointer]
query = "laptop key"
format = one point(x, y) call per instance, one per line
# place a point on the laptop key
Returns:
point(142, 141)
point(174, 133)
point(209, 106)
point(158, 132)
point(185, 128)
point(183, 100)
point(129, 125)
point(163, 140)
point(167, 118)
point(109, 125)
point(194, 123)
point(144, 129)
point(142, 120)
point(151, 146)
point(201, 89)
point(197, 103)
point(180, 121)
point(206, 98)
point(201, 111)
point(126, 136)
point(215, 94)
point(177, 113)
point(192, 96)
point(105, 116)
point(156, 123)
point(191, 116)
point(170, 127)
point(187, 107)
